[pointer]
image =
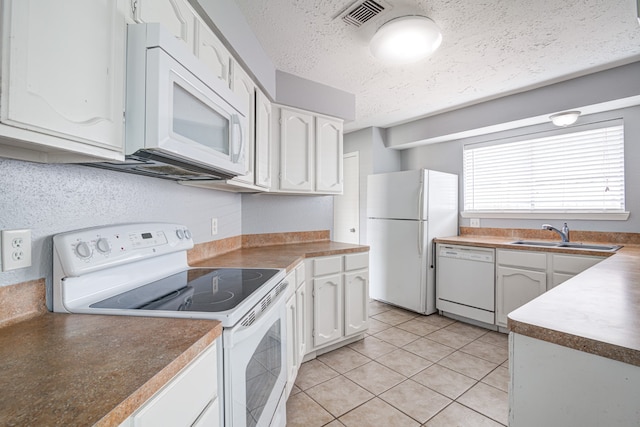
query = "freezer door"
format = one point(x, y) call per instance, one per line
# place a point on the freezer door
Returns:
point(398, 263)
point(397, 195)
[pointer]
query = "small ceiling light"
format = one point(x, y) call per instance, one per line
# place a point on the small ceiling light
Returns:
point(565, 118)
point(406, 39)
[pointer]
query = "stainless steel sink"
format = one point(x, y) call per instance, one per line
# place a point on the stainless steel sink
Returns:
point(535, 243)
point(569, 245)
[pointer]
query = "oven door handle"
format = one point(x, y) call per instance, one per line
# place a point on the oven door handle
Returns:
point(274, 311)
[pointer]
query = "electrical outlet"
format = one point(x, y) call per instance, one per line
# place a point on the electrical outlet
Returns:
point(214, 226)
point(474, 222)
point(16, 249)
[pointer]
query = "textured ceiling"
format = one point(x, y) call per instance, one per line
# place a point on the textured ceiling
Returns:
point(490, 48)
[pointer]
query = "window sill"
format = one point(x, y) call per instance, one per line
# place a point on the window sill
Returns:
point(602, 216)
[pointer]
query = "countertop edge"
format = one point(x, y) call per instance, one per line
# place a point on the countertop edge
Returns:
point(134, 401)
point(547, 333)
point(576, 342)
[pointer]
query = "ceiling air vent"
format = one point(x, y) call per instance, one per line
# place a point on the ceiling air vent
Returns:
point(362, 13)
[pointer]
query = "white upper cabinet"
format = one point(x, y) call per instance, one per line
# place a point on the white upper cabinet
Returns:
point(243, 86)
point(310, 153)
point(212, 52)
point(296, 150)
point(63, 74)
point(175, 15)
point(263, 141)
point(328, 155)
point(185, 24)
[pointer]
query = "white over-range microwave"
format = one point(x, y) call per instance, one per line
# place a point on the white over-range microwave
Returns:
point(181, 121)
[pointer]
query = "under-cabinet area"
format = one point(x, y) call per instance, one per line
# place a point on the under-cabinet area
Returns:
point(483, 284)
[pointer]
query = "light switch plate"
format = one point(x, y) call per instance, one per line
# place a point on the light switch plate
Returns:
point(16, 249)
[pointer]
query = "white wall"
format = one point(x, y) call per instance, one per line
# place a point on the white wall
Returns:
point(374, 158)
point(50, 199)
point(284, 88)
point(268, 213)
point(447, 157)
point(606, 90)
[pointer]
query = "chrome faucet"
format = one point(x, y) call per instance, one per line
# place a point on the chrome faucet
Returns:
point(564, 234)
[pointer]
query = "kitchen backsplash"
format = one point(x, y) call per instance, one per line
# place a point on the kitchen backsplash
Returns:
point(50, 199)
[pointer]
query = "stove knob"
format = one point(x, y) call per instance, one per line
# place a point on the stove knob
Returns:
point(103, 246)
point(180, 234)
point(187, 233)
point(83, 250)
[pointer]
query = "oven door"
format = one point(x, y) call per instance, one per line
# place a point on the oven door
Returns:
point(186, 118)
point(255, 368)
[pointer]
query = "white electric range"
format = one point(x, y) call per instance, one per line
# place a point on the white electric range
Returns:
point(142, 270)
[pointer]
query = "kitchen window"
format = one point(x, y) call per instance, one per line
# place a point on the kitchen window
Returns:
point(575, 173)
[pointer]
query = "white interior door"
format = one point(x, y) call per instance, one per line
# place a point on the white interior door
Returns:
point(346, 208)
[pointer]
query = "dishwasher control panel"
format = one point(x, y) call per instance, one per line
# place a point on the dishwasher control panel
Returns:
point(474, 254)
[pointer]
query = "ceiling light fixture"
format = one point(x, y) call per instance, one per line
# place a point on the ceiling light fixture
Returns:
point(565, 118)
point(406, 39)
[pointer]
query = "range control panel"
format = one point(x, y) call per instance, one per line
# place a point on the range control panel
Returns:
point(84, 251)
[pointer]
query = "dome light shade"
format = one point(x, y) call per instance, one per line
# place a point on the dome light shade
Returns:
point(565, 118)
point(406, 39)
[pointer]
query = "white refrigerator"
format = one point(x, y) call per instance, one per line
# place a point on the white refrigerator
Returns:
point(406, 211)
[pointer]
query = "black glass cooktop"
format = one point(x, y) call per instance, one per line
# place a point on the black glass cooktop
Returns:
point(198, 289)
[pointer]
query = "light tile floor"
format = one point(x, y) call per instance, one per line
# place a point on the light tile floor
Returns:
point(410, 370)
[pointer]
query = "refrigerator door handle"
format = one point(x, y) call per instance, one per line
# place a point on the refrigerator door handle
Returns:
point(420, 234)
point(421, 202)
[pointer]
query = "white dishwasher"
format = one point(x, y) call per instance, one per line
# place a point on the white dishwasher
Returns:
point(465, 282)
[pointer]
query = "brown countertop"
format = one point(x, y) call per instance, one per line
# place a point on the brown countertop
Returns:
point(597, 311)
point(74, 369)
point(80, 370)
point(279, 256)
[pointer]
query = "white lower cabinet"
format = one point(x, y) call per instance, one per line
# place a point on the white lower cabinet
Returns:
point(564, 267)
point(552, 385)
point(327, 309)
point(191, 398)
point(339, 302)
point(356, 302)
point(296, 321)
point(521, 276)
point(525, 275)
point(516, 287)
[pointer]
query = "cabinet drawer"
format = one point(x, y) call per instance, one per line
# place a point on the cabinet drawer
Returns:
point(573, 264)
point(191, 391)
point(327, 265)
point(535, 260)
point(356, 261)
point(300, 272)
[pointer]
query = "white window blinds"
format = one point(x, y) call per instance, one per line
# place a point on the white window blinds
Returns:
point(568, 172)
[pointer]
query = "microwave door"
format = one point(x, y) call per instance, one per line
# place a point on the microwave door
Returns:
point(188, 119)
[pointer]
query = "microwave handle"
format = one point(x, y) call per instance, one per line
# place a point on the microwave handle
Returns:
point(236, 122)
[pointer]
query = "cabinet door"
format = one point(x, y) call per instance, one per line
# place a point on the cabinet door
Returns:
point(243, 86)
point(292, 345)
point(327, 309)
point(516, 287)
point(301, 320)
point(210, 50)
point(329, 155)
point(263, 140)
point(557, 278)
point(66, 71)
point(356, 302)
point(175, 15)
point(296, 151)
